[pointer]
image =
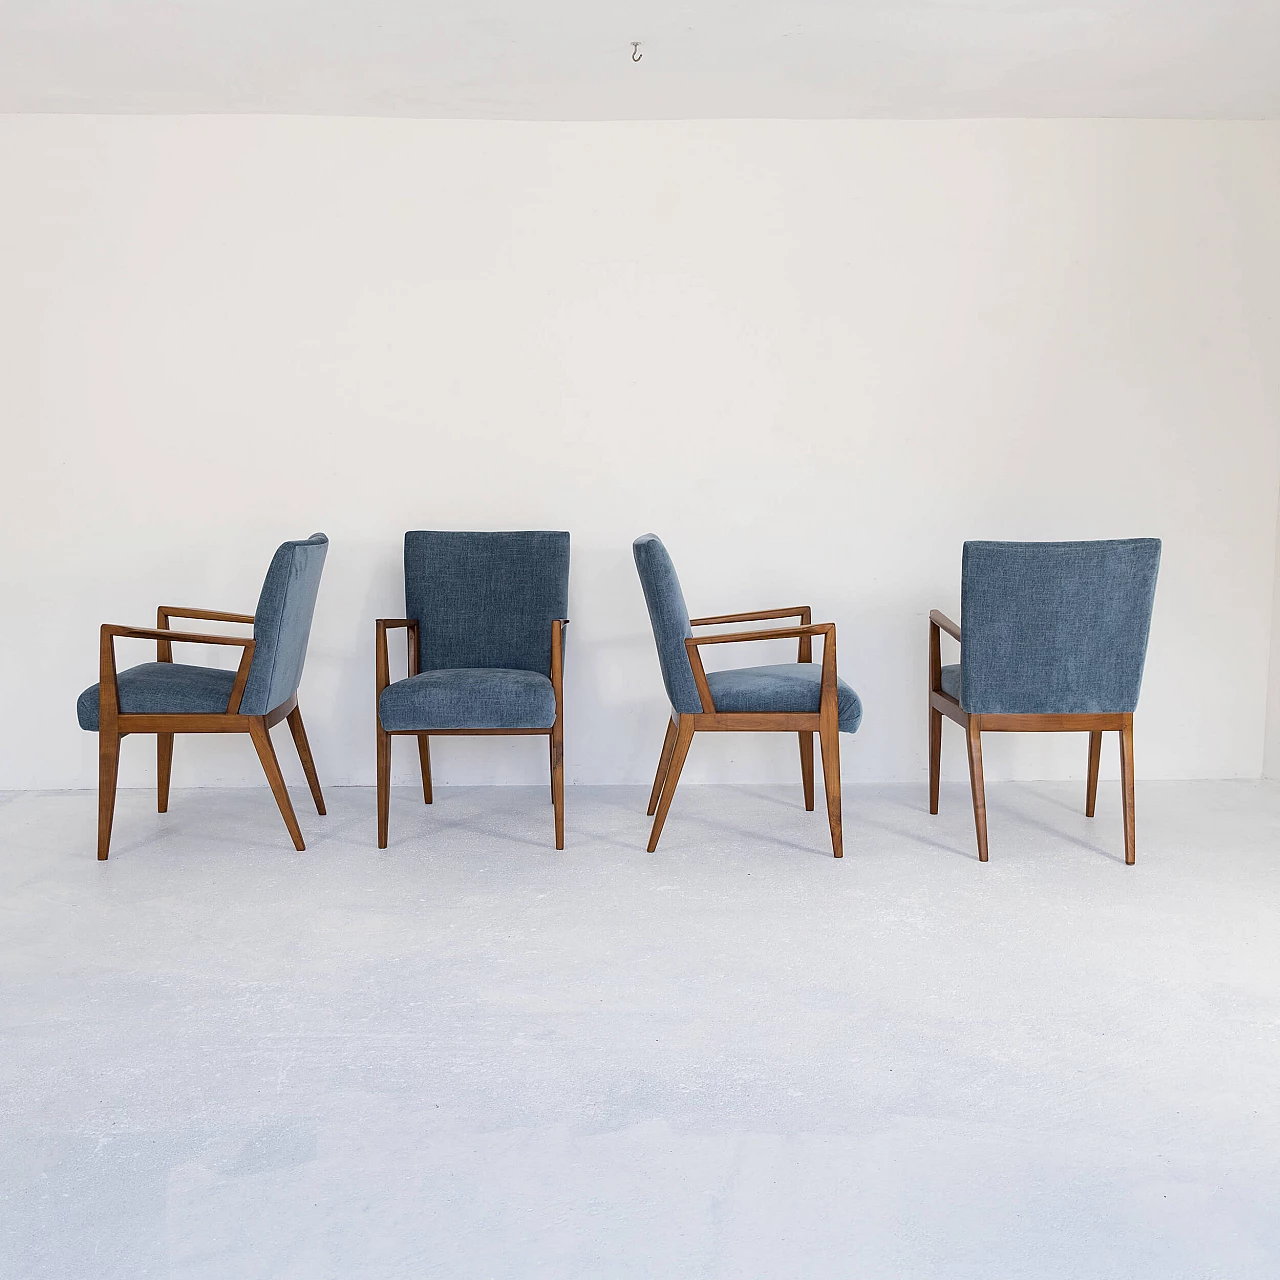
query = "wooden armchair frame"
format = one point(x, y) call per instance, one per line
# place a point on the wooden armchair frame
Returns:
point(113, 725)
point(555, 734)
point(942, 704)
point(825, 722)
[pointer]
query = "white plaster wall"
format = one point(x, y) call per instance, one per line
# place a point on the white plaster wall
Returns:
point(813, 356)
point(1271, 761)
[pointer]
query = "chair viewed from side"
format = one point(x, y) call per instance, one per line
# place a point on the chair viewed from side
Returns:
point(165, 697)
point(1054, 640)
point(485, 619)
point(797, 697)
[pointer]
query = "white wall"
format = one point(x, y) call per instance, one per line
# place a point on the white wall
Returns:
point(1271, 762)
point(813, 356)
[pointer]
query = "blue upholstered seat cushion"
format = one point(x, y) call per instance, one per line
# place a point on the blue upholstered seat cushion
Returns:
point(162, 689)
point(951, 681)
point(792, 686)
point(469, 698)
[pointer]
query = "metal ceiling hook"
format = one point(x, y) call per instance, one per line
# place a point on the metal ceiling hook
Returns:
point(636, 55)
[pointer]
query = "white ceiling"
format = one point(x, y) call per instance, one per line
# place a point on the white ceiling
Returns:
point(571, 59)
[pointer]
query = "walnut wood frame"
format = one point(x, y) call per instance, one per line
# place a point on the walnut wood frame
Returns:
point(825, 722)
point(942, 704)
point(555, 734)
point(113, 725)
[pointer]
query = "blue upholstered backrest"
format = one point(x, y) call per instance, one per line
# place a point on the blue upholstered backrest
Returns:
point(1055, 627)
point(670, 620)
point(282, 624)
point(486, 599)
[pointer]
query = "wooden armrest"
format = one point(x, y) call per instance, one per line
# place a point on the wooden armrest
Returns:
point(940, 619)
point(774, 633)
point(158, 633)
point(803, 612)
point(381, 659)
point(393, 624)
point(167, 611)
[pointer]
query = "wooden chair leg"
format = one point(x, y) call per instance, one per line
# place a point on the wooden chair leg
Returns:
point(384, 784)
point(299, 732)
point(935, 757)
point(1126, 791)
point(557, 779)
point(680, 749)
point(806, 768)
point(424, 761)
point(108, 771)
point(261, 736)
point(829, 739)
point(164, 770)
point(664, 763)
point(1095, 758)
point(974, 735)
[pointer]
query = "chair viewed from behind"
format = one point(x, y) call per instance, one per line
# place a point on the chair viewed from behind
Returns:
point(1053, 639)
point(485, 620)
point(797, 697)
point(165, 697)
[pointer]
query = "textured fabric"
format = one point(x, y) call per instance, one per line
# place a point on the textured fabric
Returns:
point(792, 686)
point(670, 621)
point(469, 698)
point(162, 689)
point(1056, 628)
point(486, 599)
point(951, 681)
point(282, 624)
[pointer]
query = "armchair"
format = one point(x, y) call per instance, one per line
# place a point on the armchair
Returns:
point(1054, 640)
point(792, 697)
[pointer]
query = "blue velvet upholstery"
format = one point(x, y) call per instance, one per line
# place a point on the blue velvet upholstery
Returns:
point(484, 604)
point(281, 627)
point(793, 686)
point(469, 698)
point(1057, 628)
point(282, 624)
point(162, 689)
point(486, 599)
point(670, 620)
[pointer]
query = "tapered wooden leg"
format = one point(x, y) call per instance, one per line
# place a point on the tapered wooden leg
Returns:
point(164, 770)
point(974, 735)
point(679, 749)
point(1095, 758)
point(424, 761)
point(299, 732)
point(557, 779)
point(806, 768)
point(829, 739)
point(261, 736)
point(108, 771)
point(664, 763)
point(384, 784)
point(935, 757)
point(1126, 791)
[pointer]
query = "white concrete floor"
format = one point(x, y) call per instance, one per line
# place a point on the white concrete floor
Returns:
point(470, 1056)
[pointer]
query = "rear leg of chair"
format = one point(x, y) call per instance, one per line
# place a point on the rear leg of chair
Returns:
point(974, 736)
point(299, 732)
point(1126, 792)
point(164, 770)
point(935, 757)
point(1095, 758)
point(384, 784)
point(829, 738)
point(108, 771)
point(806, 768)
point(680, 749)
point(424, 763)
point(664, 763)
point(261, 736)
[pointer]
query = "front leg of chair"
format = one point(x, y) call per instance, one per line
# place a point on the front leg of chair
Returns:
point(664, 763)
point(935, 757)
point(261, 736)
point(680, 749)
point(557, 727)
point(164, 770)
point(384, 784)
point(1126, 793)
point(974, 736)
point(299, 732)
point(108, 771)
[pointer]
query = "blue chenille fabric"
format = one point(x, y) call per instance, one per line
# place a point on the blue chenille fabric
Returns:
point(1055, 628)
point(486, 599)
point(469, 698)
point(670, 621)
point(951, 682)
point(793, 686)
point(282, 624)
point(162, 689)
